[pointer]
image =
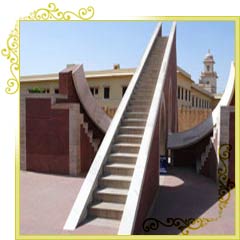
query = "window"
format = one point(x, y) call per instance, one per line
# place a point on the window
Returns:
point(196, 102)
point(208, 68)
point(193, 101)
point(124, 88)
point(179, 92)
point(182, 94)
point(92, 90)
point(56, 90)
point(106, 92)
point(189, 96)
point(186, 94)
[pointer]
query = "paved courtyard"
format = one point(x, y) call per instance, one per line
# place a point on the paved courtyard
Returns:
point(46, 200)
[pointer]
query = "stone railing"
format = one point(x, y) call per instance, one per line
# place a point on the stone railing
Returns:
point(127, 225)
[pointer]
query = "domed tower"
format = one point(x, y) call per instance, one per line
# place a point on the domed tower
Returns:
point(208, 78)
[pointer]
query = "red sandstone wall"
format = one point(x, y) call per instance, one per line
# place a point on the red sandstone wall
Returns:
point(172, 71)
point(66, 87)
point(47, 137)
point(151, 181)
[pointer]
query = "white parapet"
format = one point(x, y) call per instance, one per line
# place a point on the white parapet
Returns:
point(193, 135)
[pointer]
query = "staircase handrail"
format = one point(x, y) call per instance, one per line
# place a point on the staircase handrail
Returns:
point(133, 199)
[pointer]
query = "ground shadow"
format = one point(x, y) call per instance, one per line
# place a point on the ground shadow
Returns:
point(185, 197)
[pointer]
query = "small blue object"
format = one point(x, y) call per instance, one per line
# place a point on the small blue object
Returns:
point(163, 164)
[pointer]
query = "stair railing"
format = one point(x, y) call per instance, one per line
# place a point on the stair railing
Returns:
point(135, 190)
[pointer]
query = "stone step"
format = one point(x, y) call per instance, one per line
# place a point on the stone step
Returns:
point(123, 157)
point(152, 68)
point(138, 108)
point(133, 122)
point(119, 169)
point(130, 138)
point(135, 114)
point(126, 147)
point(148, 75)
point(140, 88)
point(103, 222)
point(142, 94)
point(107, 210)
point(156, 61)
point(117, 195)
point(147, 91)
point(115, 181)
point(139, 103)
point(148, 78)
point(147, 85)
point(131, 130)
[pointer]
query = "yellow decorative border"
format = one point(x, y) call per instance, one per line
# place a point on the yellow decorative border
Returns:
point(11, 52)
point(184, 225)
point(52, 13)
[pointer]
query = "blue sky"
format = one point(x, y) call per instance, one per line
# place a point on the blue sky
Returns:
point(46, 47)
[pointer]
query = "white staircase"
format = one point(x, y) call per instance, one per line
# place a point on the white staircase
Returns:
point(120, 163)
point(112, 188)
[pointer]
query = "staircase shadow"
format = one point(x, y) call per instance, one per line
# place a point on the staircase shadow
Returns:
point(182, 195)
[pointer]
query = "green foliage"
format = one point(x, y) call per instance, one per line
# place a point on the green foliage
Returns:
point(37, 90)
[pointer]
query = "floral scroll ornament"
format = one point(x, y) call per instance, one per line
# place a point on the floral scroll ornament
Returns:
point(52, 13)
point(11, 52)
point(184, 225)
point(188, 224)
point(224, 184)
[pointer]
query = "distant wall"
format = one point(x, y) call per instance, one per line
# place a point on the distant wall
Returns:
point(191, 117)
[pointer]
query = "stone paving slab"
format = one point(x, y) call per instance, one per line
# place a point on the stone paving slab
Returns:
point(46, 200)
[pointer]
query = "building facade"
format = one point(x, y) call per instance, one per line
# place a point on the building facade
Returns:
point(195, 101)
